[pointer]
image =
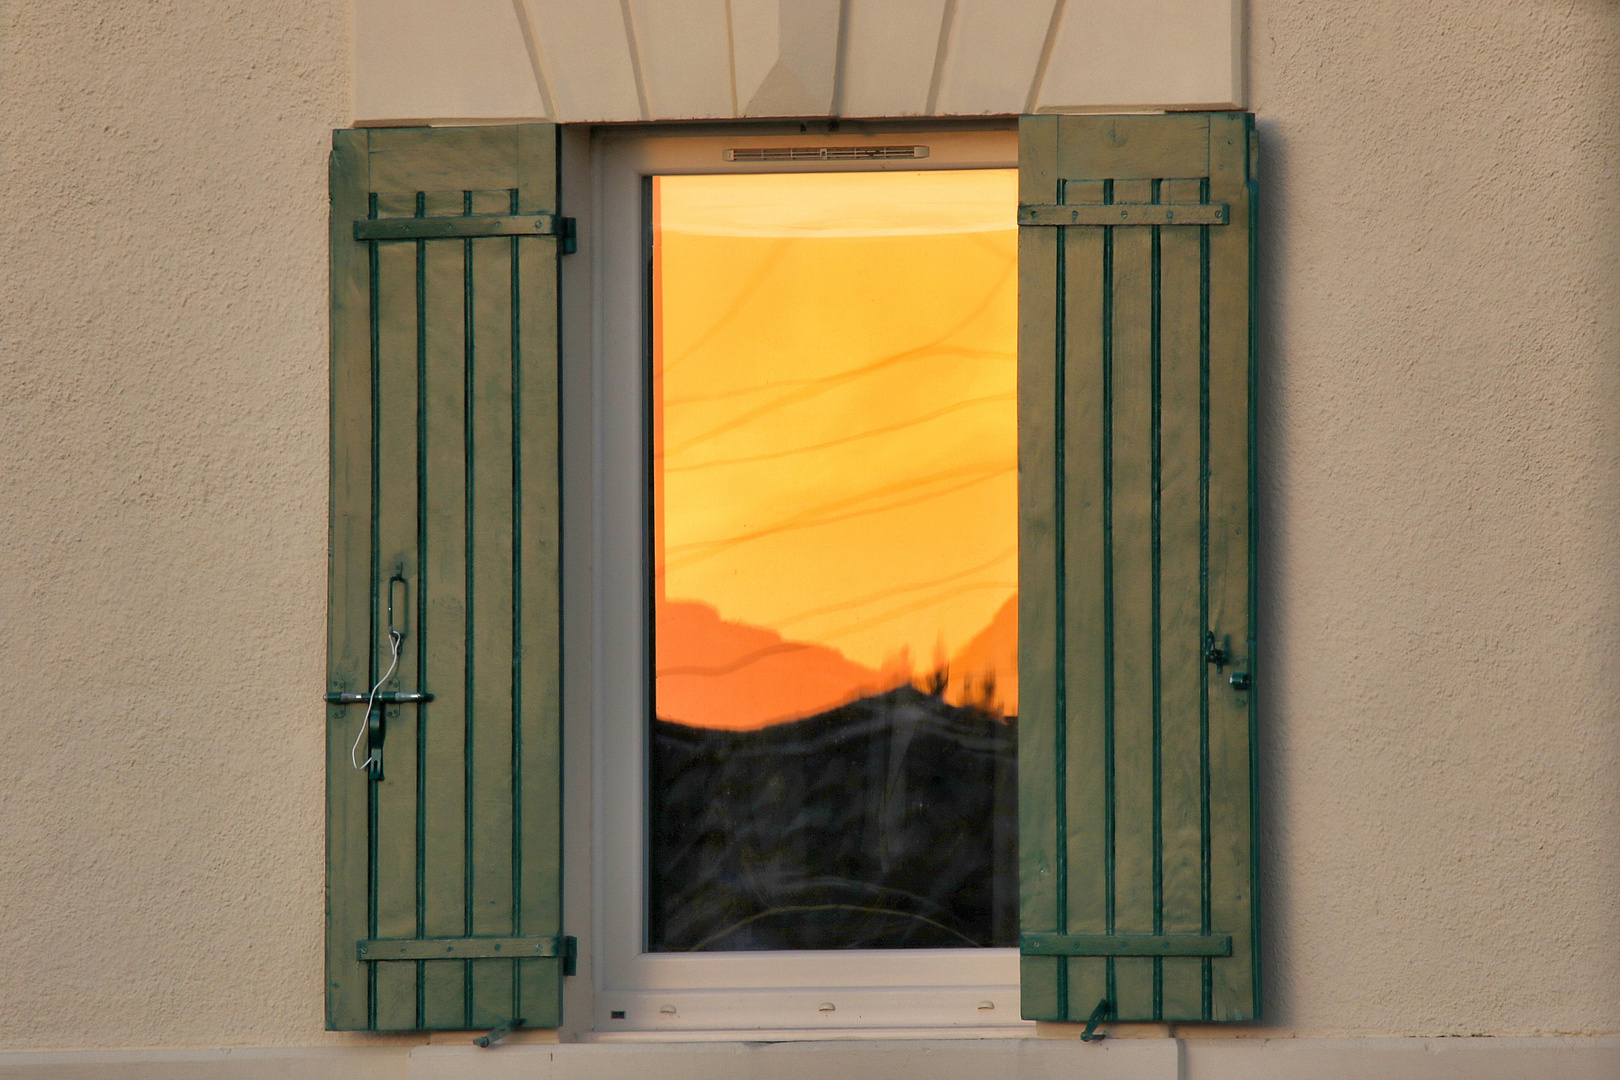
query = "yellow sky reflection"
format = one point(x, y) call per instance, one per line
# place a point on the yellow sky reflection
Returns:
point(835, 421)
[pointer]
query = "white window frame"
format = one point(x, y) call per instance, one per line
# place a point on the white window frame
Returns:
point(873, 993)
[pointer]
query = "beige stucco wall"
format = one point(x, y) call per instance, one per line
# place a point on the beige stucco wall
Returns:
point(1440, 425)
point(1441, 500)
point(163, 517)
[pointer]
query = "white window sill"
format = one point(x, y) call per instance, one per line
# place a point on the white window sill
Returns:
point(748, 1056)
point(1025, 1030)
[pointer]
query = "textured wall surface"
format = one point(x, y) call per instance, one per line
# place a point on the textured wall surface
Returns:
point(163, 517)
point(1440, 432)
point(1440, 423)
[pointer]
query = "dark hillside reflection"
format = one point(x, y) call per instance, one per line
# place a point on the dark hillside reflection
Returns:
point(889, 822)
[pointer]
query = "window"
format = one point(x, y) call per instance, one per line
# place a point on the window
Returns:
point(689, 335)
point(835, 552)
point(466, 401)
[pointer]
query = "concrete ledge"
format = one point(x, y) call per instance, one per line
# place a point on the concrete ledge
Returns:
point(1551, 1058)
point(305, 1063)
point(938, 1059)
point(1572, 1057)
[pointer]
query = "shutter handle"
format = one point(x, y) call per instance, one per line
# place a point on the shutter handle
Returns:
point(1240, 681)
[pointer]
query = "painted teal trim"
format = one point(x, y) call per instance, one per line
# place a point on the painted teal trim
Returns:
point(1156, 471)
point(422, 714)
point(374, 275)
point(1061, 586)
point(1205, 853)
point(470, 602)
point(1109, 883)
point(517, 604)
point(1254, 575)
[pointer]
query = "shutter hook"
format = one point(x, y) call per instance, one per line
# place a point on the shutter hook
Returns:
point(486, 1041)
point(1103, 1010)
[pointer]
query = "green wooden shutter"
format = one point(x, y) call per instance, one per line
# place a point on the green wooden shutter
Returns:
point(444, 874)
point(1136, 458)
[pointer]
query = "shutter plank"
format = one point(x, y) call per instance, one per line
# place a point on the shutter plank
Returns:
point(444, 159)
point(1234, 980)
point(490, 381)
point(538, 583)
point(446, 624)
point(1126, 148)
point(1181, 687)
point(1041, 836)
point(396, 834)
point(1131, 556)
point(349, 575)
point(1087, 768)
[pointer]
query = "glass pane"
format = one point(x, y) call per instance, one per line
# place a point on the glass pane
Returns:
point(835, 537)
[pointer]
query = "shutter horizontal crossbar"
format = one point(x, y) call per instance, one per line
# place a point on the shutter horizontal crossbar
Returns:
point(1126, 214)
point(465, 948)
point(1125, 944)
point(455, 228)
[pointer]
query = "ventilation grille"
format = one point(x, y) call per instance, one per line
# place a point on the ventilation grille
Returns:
point(825, 153)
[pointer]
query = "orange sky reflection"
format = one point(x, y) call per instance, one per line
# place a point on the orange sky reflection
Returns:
point(835, 440)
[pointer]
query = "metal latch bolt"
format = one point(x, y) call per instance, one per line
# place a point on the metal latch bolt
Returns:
point(384, 697)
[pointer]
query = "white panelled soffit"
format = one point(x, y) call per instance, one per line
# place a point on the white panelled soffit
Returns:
point(579, 61)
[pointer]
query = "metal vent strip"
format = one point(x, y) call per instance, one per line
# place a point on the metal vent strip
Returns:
point(824, 153)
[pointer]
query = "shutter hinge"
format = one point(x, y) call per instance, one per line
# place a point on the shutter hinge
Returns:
point(567, 235)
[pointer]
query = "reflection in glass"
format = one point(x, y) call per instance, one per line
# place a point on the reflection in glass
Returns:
point(833, 754)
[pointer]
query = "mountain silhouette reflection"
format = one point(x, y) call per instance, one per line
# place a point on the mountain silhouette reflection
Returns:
point(889, 822)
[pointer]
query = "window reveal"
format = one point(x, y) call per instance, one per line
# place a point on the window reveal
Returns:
point(834, 518)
